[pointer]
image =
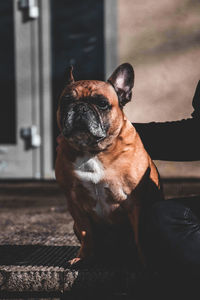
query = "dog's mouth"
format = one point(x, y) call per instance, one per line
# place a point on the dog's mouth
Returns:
point(83, 140)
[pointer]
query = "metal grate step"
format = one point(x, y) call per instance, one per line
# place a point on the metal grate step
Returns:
point(36, 255)
point(39, 268)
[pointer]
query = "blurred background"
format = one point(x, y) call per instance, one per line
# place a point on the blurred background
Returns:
point(162, 41)
point(40, 39)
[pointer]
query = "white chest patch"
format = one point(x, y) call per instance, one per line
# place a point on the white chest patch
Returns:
point(91, 173)
point(89, 169)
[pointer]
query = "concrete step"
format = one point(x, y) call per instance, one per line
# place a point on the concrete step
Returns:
point(31, 269)
point(181, 187)
point(37, 240)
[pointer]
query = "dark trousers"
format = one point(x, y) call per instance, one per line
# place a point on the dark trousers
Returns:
point(172, 237)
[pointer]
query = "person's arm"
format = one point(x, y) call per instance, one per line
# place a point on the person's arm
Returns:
point(173, 141)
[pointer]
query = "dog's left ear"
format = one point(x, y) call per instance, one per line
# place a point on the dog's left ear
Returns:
point(69, 75)
point(122, 79)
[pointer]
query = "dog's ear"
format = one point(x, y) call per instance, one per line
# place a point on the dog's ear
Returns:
point(122, 79)
point(69, 75)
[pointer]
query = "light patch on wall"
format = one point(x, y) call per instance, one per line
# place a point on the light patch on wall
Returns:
point(161, 39)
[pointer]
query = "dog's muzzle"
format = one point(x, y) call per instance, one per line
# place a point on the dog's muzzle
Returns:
point(82, 118)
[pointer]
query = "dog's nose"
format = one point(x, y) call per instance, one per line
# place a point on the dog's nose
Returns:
point(82, 108)
point(81, 117)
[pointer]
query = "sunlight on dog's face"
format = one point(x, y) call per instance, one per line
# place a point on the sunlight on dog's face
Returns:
point(90, 112)
point(86, 118)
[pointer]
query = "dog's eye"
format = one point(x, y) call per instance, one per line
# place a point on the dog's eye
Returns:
point(68, 98)
point(103, 104)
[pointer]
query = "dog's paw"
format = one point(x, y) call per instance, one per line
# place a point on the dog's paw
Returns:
point(78, 262)
point(74, 261)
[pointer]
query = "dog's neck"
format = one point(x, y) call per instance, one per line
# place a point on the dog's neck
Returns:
point(124, 141)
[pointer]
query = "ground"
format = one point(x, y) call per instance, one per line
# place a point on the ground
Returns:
point(37, 240)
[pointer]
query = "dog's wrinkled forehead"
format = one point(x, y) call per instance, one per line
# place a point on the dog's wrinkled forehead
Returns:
point(89, 88)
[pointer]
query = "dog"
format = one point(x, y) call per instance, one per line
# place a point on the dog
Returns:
point(101, 163)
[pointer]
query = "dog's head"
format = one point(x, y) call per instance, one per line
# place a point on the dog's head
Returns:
point(90, 112)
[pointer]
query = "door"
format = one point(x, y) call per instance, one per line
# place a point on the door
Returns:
point(18, 76)
point(24, 90)
point(39, 39)
point(83, 34)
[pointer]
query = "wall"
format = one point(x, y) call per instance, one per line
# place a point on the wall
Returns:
point(161, 39)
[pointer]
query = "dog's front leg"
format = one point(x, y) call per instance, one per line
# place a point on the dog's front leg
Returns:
point(82, 228)
point(83, 231)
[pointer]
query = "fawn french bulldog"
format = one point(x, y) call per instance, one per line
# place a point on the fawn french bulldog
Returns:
point(101, 163)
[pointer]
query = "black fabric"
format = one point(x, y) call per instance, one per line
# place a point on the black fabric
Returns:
point(173, 237)
point(170, 229)
point(196, 102)
point(173, 141)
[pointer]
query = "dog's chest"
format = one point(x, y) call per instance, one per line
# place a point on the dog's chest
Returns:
point(106, 194)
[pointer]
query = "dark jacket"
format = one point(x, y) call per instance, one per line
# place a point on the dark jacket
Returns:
point(173, 141)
